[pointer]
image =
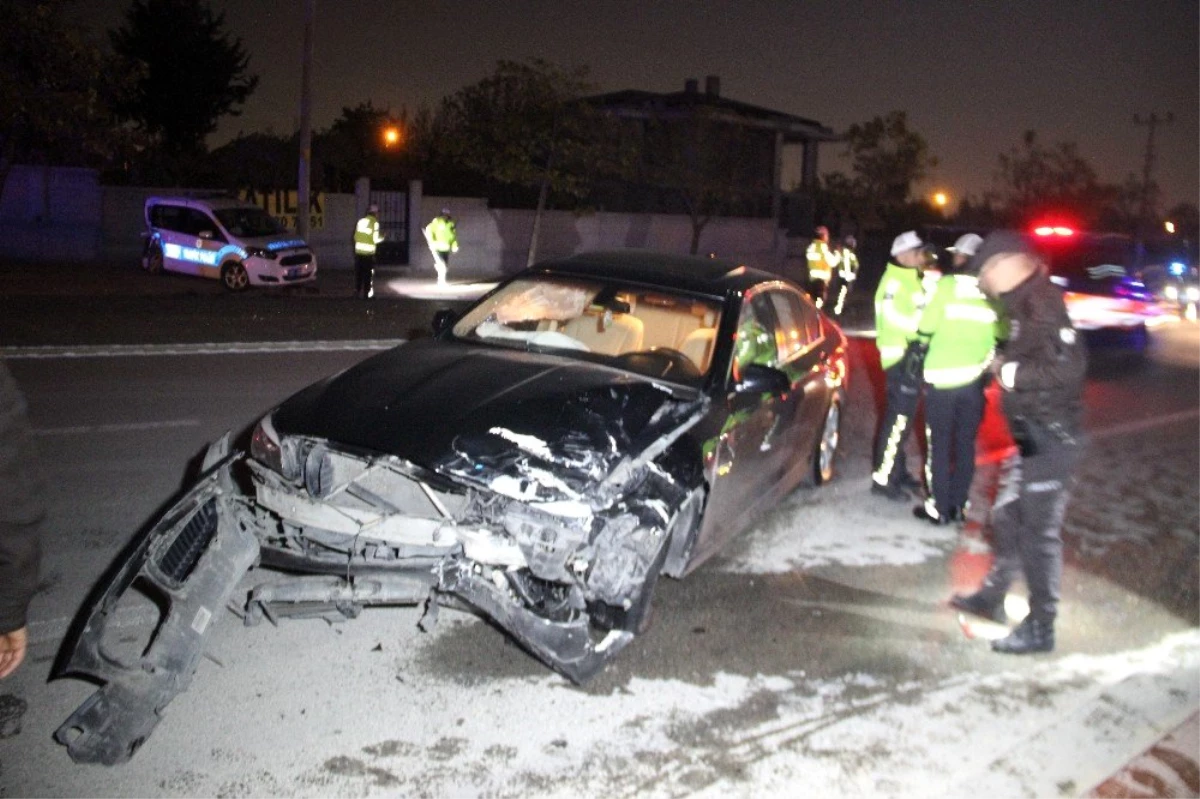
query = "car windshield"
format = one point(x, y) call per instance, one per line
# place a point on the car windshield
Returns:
point(653, 331)
point(249, 222)
point(1083, 257)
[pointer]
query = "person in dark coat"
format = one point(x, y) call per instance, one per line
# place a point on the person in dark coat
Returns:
point(21, 510)
point(1041, 373)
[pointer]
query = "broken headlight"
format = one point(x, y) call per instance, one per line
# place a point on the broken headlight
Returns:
point(265, 446)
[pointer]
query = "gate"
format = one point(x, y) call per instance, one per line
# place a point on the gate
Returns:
point(393, 225)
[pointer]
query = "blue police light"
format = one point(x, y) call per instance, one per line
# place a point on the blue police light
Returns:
point(1177, 268)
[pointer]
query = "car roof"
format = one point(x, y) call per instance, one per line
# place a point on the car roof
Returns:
point(214, 202)
point(715, 276)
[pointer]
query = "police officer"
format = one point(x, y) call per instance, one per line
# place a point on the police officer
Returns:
point(959, 328)
point(822, 260)
point(21, 509)
point(1041, 376)
point(898, 303)
point(442, 235)
point(846, 273)
point(366, 241)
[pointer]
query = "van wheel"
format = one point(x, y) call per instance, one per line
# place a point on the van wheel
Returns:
point(827, 444)
point(154, 261)
point(234, 277)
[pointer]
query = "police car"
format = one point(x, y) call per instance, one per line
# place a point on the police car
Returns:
point(224, 238)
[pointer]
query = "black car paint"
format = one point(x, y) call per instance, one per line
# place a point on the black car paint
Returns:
point(437, 411)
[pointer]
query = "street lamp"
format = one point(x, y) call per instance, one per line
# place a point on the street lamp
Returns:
point(1169, 226)
point(940, 199)
point(391, 136)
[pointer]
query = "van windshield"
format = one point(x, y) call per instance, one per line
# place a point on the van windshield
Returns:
point(249, 222)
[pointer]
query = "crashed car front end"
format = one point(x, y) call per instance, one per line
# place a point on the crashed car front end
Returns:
point(559, 542)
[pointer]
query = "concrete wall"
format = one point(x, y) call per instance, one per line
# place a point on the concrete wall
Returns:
point(495, 241)
point(59, 214)
point(50, 213)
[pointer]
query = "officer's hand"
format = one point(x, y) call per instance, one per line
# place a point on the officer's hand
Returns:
point(12, 651)
point(453, 248)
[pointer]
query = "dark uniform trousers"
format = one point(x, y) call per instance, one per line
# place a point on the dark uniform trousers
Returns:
point(1027, 525)
point(364, 275)
point(902, 397)
point(952, 417)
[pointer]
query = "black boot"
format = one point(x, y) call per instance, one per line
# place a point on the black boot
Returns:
point(1031, 635)
point(984, 606)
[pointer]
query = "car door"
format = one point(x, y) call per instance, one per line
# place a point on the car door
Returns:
point(743, 458)
point(170, 225)
point(803, 357)
point(202, 250)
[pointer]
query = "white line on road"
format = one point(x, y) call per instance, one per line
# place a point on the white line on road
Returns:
point(208, 348)
point(128, 427)
point(1144, 424)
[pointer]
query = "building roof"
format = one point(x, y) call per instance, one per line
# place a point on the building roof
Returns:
point(635, 103)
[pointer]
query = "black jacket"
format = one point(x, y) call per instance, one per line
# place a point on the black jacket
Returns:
point(21, 506)
point(1050, 359)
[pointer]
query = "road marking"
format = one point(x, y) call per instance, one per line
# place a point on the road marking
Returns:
point(1144, 424)
point(208, 348)
point(127, 427)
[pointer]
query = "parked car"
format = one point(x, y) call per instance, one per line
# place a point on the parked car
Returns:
point(224, 238)
point(593, 422)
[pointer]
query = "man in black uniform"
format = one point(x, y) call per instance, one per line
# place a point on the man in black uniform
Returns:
point(1041, 375)
point(21, 509)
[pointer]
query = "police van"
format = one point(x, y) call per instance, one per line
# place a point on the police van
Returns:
point(224, 238)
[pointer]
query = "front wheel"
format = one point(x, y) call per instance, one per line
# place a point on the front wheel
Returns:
point(234, 277)
point(827, 444)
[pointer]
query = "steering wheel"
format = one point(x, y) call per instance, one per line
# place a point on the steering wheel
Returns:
point(660, 362)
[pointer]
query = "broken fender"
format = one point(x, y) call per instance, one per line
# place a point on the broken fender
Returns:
point(188, 563)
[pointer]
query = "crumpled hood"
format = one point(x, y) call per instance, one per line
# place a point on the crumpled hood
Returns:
point(479, 413)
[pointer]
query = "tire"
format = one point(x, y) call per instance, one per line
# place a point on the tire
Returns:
point(154, 261)
point(825, 451)
point(234, 277)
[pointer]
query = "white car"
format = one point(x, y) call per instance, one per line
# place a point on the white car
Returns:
point(224, 238)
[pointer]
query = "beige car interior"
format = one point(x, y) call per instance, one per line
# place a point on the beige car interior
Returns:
point(653, 321)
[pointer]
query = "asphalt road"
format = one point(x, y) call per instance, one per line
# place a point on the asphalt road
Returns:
point(815, 655)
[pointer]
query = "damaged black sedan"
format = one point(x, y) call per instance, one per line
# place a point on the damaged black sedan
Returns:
point(591, 424)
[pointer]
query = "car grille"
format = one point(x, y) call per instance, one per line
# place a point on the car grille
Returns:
point(177, 561)
point(297, 259)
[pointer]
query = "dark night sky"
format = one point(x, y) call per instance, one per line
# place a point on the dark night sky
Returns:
point(971, 75)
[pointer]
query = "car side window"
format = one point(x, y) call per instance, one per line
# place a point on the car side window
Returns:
point(198, 221)
point(790, 336)
point(811, 319)
point(755, 340)
point(168, 217)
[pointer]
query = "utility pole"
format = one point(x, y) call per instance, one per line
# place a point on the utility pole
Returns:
point(304, 188)
point(1151, 122)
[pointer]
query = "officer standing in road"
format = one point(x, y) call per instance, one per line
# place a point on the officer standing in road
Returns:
point(442, 235)
point(958, 328)
point(846, 273)
point(1041, 376)
point(21, 509)
point(366, 241)
point(898, 303)
point(822, 260)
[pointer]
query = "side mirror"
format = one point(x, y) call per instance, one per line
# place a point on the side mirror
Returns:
point(758, 379)
point(206, 234)
point(442, 320)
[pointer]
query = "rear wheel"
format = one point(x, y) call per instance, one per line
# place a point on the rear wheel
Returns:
point(827, 444)
point(234, 277)
point(154, 261)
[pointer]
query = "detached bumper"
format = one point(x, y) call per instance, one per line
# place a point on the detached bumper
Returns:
point(189, 562)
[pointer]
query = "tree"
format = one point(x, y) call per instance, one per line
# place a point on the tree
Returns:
point(886, 159)
point(1034, 180)
point(194, 73)
point(707, 165)
point(57, 90)
point(354, 147)
point(524, 126)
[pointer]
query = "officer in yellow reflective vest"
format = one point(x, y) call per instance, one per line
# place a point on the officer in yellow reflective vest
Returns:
point(898, 303)
point(961, 327)
point(822, 260)
point(846, 274)
point(442, 235)
point(366, 241)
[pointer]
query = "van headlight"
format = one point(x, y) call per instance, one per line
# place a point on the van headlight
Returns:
point(1171, 293)
point(1193, 293)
